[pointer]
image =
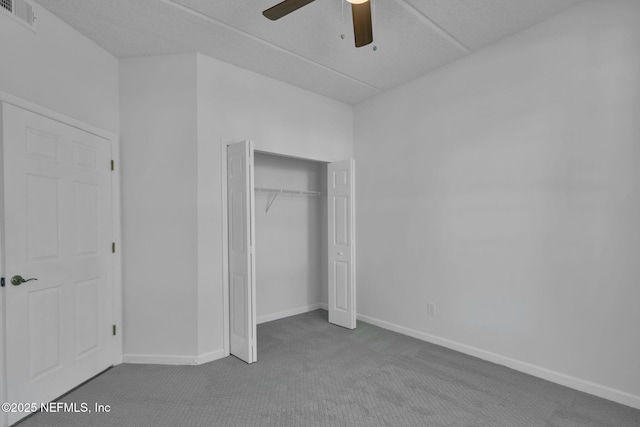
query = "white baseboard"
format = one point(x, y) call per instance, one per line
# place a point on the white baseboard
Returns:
point(528, 368)
point(154, 359)
point(287, 313)
point(210, 357)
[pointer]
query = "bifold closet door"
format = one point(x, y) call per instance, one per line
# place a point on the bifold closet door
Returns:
point(242, 284)
point(342, 250)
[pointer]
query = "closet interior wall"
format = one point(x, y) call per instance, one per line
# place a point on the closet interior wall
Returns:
point(291, 250)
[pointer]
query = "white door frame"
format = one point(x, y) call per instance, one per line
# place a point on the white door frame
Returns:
point(224, 142)
point(115, 201)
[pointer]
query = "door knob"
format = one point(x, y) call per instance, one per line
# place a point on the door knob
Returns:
point(18, 280)
point(339, 253)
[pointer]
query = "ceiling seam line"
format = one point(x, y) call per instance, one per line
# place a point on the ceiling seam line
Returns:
point(265, 42)
point(444, 33)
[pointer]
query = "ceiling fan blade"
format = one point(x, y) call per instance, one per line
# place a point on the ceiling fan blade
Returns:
point(362, 29)
point(284, 8)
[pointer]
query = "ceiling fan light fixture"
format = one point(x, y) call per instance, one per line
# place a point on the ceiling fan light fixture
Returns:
point(362, 25)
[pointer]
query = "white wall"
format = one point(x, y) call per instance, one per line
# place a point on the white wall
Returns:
point(175, 111)
point(238, 104)
point(58, 68)
point(158, 117)
point(291, 238)
point(505, 188)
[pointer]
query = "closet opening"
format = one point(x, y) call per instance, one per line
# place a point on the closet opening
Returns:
point(290, 233)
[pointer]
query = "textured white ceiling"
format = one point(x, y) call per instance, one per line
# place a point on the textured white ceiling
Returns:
point(304, 48)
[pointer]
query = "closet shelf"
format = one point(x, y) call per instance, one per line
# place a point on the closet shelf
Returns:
point(277, 191)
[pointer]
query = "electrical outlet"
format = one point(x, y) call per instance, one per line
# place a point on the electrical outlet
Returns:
point(431, 309)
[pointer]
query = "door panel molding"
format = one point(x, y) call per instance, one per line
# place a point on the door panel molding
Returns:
point(241, 238)
point(341, 243)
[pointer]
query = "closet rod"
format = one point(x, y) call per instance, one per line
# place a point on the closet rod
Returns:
point(277, 191)
point(283, 191)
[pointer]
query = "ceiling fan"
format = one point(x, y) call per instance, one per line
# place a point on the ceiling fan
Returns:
point(360, 10)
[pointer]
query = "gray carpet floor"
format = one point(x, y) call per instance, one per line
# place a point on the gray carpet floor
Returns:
point(311, 373)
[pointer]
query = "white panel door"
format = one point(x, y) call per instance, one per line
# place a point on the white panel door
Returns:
point(58, 229)
point(342, 249)
point(242, 284)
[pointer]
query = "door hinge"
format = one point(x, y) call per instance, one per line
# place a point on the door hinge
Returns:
point(113, 247)
point(114, 329)
point(113, 165)
point(2, 282)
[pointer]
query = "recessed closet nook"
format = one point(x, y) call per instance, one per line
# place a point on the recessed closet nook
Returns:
point(290, 230)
